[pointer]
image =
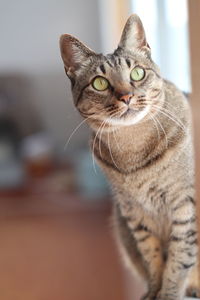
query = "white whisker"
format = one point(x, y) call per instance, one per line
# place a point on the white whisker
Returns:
point(73, 132)
point(170, 116)
point(155, 123)
point(100, 139)
point(93, 145)
point(161, 126)
point(110, 151)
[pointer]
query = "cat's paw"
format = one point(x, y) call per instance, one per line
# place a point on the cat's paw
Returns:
point(193, 292)
point(149, 296)
point(166, 296)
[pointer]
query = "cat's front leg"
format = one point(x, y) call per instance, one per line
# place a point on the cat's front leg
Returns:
point(150, 248)
point(182, 251)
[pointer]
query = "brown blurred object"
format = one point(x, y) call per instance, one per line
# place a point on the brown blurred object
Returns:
point(40, 166)
point(38, 154)
point(194, 25)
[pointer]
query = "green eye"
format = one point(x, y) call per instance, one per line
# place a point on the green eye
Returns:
point(137, 74)
point(100, 83)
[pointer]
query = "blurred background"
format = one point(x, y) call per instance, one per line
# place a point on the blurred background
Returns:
point(55, 205)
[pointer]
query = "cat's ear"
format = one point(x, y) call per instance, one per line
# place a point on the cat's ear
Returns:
point(74, 53)
point(133, 36)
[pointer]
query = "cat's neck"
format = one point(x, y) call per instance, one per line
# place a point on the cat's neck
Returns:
point(127, 147)
point(132, 138)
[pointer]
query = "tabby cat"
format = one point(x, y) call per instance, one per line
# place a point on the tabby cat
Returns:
point(142, 139)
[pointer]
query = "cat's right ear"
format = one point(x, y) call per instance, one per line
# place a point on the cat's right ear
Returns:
point(133, 36)
point(74, 54)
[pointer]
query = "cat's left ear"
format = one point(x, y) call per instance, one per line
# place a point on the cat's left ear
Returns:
point(133, 36)
point(74, 54)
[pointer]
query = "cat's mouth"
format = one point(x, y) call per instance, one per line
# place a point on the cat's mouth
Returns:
point(130, 116)
point(128, 112)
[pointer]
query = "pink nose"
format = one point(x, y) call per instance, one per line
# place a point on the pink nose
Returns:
point(126, 98)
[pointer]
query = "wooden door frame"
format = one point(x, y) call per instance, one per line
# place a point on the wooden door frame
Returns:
point(194, 26)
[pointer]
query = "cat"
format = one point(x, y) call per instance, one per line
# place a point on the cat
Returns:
point(142, 139)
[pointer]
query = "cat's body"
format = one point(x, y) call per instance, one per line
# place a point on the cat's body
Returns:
point(142, 140)
point(153, 188)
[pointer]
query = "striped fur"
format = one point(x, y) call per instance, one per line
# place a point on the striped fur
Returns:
point(145, 149)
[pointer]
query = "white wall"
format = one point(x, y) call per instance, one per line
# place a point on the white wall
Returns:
point(29, 34)
point(166, 25)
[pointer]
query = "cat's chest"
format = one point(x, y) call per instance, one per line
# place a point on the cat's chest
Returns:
point(157, 221)
point(155, 217)
point(149, 196)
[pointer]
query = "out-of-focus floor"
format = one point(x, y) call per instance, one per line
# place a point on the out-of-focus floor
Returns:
point(53, 246)
point(58, 257)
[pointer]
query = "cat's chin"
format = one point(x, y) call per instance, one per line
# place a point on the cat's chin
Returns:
point(129, 118)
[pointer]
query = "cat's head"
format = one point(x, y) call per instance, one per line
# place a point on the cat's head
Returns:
point(119, 89)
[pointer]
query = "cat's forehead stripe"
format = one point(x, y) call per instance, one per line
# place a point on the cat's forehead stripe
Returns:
point(109, 63)
point(116, 60)
point(113, 61)
point(102, 68)
point(128, 62)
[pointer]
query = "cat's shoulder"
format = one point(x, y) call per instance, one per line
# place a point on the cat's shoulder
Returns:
point(170, 85)
point(171, 88)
